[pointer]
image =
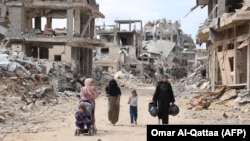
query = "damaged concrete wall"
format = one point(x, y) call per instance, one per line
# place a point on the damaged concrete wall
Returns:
point(16, 21)
point(16, 47)
point(121, 45)
point(227, 42)
point(31, 27)
point(60, 53)
point(82, 60)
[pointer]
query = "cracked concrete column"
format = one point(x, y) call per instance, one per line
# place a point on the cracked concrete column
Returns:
point(70, 25)
point(49, 22)
point(77, 22)
point(17, 21)
point(29, 23)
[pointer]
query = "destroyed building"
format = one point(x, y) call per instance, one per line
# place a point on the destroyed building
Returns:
point(226, 35)
point(172, 50)
point(122, 44)
point(26, 26)
point(159, 47)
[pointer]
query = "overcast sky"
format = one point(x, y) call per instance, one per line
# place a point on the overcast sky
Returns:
point(149, 10)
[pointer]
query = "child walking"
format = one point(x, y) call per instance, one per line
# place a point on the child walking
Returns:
point(133, 110)
point(81, 118)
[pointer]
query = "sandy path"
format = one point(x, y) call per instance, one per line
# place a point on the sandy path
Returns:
point(63, 129)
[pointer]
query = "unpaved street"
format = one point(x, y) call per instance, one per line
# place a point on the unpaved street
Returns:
point(56, 123)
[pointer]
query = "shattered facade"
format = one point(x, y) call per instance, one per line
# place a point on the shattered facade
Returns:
point(226, 35)
point(122, 44)
point(169, 46)
point(159, 47)
point(22, 25)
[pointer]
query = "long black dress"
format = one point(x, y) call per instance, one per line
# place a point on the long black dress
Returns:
point(163, 96)
point(114, 93)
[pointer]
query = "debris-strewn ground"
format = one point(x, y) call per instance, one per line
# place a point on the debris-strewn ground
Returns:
point(38, 99)
point(56, 122)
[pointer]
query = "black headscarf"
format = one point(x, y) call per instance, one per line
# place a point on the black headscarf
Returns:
point(113, 89)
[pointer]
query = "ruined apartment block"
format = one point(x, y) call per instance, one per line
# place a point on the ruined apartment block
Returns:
point(226, 35)
point(122, 44)
point(159, 47)
point(31, 27)
point(171, 49)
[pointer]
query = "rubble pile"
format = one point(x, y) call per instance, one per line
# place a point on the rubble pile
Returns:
point(30, 89)
point(127, 79)
point(198, 89)
point(193, 83)
point(28, 85)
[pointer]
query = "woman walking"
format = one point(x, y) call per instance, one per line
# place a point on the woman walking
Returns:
point(89, 92)
point(162, 98)
point(113, 93)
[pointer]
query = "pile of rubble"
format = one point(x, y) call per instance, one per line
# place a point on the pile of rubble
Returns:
point(28, 84)
point(198, 89)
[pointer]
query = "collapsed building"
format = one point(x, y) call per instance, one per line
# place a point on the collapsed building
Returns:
point(226, 35)
point(159, 47)
point(172, 49)
point(121, 45)
point(26, 26)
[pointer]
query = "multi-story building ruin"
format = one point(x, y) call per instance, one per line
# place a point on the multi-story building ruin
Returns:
point(27, 27)
point(159, 47)
point(122, 44)
point(226, 35)
point(169, 46)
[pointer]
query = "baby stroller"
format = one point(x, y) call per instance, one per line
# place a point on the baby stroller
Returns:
point(91, 129)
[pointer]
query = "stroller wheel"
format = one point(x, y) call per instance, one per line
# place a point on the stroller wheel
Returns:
point(95, 131)
point(77, 132)
point(91, 131)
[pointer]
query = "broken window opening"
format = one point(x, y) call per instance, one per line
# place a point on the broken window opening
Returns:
point(104, 50)
point(34, 52)
point(242, 29)
point(232, 5)
point(231, 62)
point(124, 41)
point(57, 58)
point(230, 46)
point(43, 53)
point(109, 39)
point(220, 49)
point(149, 37)
point(105, 68)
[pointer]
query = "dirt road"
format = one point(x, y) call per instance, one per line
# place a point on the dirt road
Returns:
point(60, 126)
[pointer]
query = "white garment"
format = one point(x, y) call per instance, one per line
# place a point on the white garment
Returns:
point(133, 101)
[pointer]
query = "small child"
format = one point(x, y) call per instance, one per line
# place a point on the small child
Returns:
point(81, 117)
point(133, 107)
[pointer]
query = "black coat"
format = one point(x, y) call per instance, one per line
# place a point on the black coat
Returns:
point(162, 98)
point(164, 93)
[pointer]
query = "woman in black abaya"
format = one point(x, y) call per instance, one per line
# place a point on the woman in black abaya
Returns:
point(113, 92)
point(162, 98)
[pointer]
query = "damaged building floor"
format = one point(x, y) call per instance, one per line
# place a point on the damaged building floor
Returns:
point(56, 122)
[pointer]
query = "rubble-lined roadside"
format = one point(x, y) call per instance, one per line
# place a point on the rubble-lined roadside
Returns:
point(198, 89)
point(30, 89)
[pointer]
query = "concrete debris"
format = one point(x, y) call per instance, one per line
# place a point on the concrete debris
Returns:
point(205, 99)
point(21, 93)
point(243, 96)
